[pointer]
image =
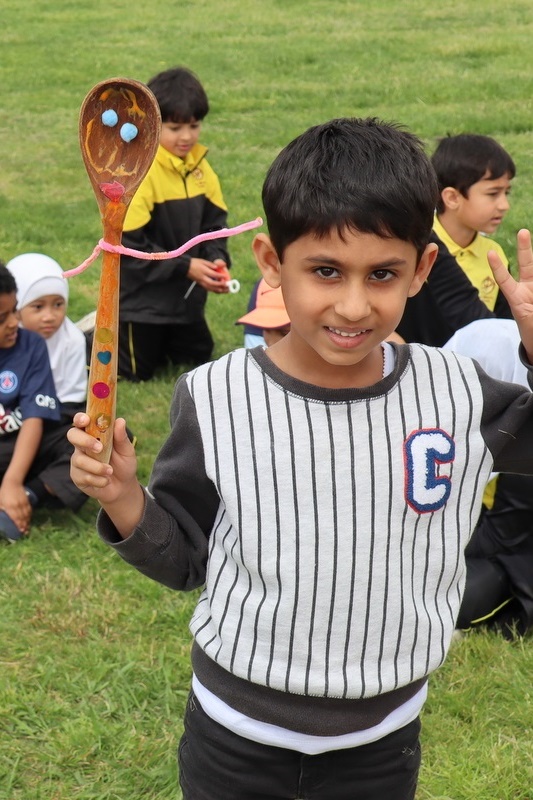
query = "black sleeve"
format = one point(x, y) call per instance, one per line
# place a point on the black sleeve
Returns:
point(171, 541)
point(447, 301)
point(507, 421)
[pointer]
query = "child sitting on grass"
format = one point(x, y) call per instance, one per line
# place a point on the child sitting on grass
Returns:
point(27, 402)
point(43, 383)
point(322, 490)
point(42, 300)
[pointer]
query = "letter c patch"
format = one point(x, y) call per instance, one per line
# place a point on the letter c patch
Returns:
point(424, 450)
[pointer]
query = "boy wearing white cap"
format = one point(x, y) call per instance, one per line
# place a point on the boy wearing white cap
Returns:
point(42, 299)
point(34, 467)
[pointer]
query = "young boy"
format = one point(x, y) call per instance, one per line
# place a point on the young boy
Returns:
point(162, 303)
point(266, 320)
point(322, 489)
point(28, 405)
point(42, 299)
point(474, 173)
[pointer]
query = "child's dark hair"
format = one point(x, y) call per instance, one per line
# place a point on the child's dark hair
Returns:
point(462, 160)
point(7, 281)
point(362, 174)
point(180, 95)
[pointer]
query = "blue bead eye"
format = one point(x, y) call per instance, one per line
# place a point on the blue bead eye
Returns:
point(110, 118)
point(128, 131)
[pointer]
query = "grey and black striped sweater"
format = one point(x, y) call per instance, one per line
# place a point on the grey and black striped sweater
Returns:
point(328, 527)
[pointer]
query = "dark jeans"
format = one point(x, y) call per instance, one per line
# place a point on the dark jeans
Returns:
point(216, 764)
point(143, 348)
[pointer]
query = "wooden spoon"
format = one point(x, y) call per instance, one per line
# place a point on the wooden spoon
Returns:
point(119, 127)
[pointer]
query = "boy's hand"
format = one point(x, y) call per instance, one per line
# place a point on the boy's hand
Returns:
point(114, 485)
point(106, 482)
point(519, 294)
point(14, 501)
point(205, 274)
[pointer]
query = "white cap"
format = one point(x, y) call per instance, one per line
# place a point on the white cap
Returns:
point(37, 275)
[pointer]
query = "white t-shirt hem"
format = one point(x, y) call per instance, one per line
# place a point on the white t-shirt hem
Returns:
point(274, 736)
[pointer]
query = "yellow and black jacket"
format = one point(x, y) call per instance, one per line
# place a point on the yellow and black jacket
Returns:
point(177, 200)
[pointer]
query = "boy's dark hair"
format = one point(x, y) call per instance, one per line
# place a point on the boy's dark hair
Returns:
point(362, 174)
point(180, 95)
point(7, 281)
point(462, 160)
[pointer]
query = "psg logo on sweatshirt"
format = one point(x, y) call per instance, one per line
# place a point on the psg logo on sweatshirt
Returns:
point(8, 381)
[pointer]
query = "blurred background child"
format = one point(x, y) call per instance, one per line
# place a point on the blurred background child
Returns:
point(474, 174)
point(267, 320)
point(27, 404)
point(162, 303)
point(41, 300)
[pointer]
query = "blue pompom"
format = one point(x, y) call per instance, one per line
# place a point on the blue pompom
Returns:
point(110, 118)
point(128, 131)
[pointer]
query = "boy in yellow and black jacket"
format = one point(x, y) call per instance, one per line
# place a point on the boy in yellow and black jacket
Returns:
point(162, 303)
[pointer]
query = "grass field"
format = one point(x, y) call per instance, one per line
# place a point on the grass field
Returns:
point(94, 666)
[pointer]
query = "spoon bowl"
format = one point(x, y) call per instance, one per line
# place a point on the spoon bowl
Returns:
point(119, 129)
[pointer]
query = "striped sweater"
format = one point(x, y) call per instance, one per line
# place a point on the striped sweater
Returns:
point(328, 526)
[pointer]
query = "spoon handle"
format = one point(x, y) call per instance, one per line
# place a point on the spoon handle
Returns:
point(101, 392)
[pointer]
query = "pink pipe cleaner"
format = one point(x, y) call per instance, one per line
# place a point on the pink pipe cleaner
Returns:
point(126, 251)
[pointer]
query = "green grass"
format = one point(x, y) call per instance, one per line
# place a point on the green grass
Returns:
point(94, 666)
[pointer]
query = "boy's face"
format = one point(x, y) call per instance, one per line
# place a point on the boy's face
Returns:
point(344, 296)
point(8, 320)
point(486, 204)
point(44, 315)
point(179, 137)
